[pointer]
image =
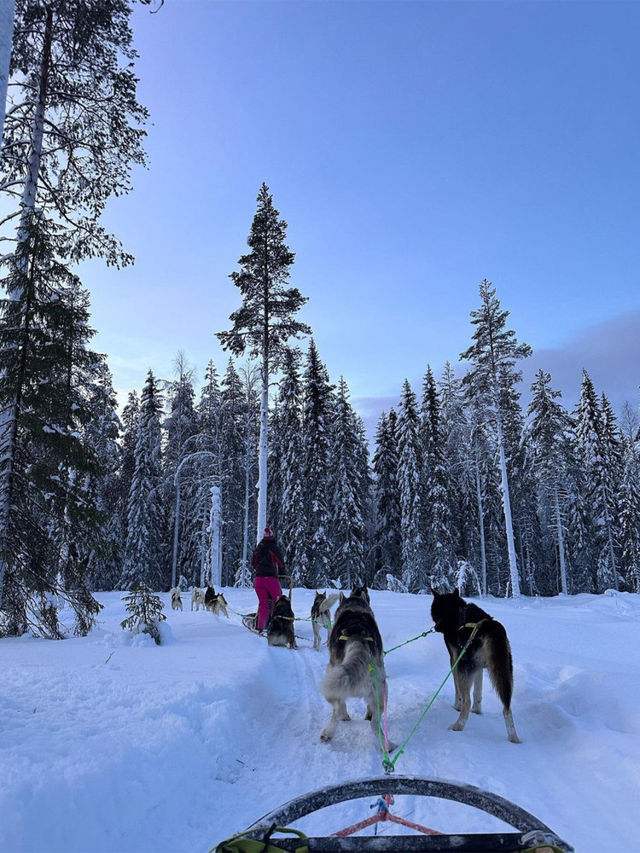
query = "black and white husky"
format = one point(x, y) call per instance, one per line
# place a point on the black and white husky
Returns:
point(176, 600)
point(356, 662)
point(321, 615)
point(280, 626)
point(489, 649)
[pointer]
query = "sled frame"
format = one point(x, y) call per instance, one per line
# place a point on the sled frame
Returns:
point(530, 834)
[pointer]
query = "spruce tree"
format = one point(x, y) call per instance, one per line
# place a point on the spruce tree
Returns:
point(266, 320)
point(441, 560)
point(387, 539)
point(598, 467)
point(145, 559)
point(410, 462)
point(47, 372)
point(145, 611)
point(72, 132)
point(317, 418)
point(550, 448)
point(348, 497)
point(292, 520)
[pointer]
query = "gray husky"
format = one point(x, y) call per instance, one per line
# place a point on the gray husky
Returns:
point(321, 615)
point(489, 649)
point(356, 662)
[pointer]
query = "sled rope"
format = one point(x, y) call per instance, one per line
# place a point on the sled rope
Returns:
point(389, 764)
point(383, 732)
point(412, 640)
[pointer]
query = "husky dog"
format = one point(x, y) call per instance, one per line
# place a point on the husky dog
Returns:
point(321, 615)
point(215, 603)
point(489, 649)
point(197, 597)
point(355, 645)
point(176, 601)
point(280, 627)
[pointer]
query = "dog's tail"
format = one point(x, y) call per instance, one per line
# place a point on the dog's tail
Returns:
point(331, 600)
point(344, 679)
point(499, 661)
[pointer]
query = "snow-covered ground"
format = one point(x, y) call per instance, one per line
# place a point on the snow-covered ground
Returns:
point(113, 744)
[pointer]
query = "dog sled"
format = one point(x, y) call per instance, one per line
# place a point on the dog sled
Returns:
point(273, 833)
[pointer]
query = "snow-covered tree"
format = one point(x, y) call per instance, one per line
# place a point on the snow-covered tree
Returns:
point(410, 462)
point(266, 320)
point(387, 500)
point(316, 431)
point(440, 556)
point(493, 356)
point(145, 611)
point(348, 499)
point(291, 519)
point(549, 438)
point(144, 557)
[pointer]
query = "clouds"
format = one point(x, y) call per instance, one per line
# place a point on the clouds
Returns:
point(609, 351)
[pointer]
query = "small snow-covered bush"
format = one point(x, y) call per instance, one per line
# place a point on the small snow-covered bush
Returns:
point(146, 612)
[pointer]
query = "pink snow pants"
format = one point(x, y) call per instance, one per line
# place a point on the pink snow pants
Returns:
point(266, 589)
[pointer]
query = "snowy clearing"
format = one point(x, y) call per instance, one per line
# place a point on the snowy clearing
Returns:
point(114, 744)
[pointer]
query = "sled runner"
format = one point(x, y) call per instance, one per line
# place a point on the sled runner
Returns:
point(266, 835)
point(249, 621)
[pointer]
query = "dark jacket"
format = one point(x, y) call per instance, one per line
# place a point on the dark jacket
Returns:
point(267, 559)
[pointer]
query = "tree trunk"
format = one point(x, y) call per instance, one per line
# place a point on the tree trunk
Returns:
point(7, 8)
point(560, 535)
point(215, 561)
point(9, 425)
point(262, 453)
point(483, 551)
point(506, 504)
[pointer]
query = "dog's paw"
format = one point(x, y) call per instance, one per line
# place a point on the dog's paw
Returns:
point(345, 717)
point(477, 709)
point(456, 727)
point(514, 738)
point(325, 737)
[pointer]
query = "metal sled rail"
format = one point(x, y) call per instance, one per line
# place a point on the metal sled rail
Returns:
point(531, 833)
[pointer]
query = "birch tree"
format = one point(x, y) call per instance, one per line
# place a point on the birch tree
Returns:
point(266, 320)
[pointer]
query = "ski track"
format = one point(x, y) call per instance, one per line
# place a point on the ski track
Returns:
point(108, 743)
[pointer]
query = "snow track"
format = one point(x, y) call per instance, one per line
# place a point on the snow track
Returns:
point(109, 744)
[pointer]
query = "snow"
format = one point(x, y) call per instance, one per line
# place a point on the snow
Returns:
point(110, 743)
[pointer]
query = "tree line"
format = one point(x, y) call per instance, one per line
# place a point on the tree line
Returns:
point(463, 487)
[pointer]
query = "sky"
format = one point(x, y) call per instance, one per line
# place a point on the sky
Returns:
point(414, 148)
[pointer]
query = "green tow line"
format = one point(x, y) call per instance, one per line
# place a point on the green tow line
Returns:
point(388, 763)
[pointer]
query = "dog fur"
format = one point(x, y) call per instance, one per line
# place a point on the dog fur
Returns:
point(321, 615)
point(197, 598)
point(215, 602)
point(176, 600)
point(489, 649)
point(280, 626)
point(354, 644)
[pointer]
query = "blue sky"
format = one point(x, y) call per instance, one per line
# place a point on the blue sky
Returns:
point(414, 148)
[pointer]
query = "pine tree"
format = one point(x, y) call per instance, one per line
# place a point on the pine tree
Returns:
point(265, 321)
point(441, 560)
point(410, 462)
point(145, 561)
point(493, 356)
point(629, 503)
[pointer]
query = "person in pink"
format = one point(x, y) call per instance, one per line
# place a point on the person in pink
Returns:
point(268, 563)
